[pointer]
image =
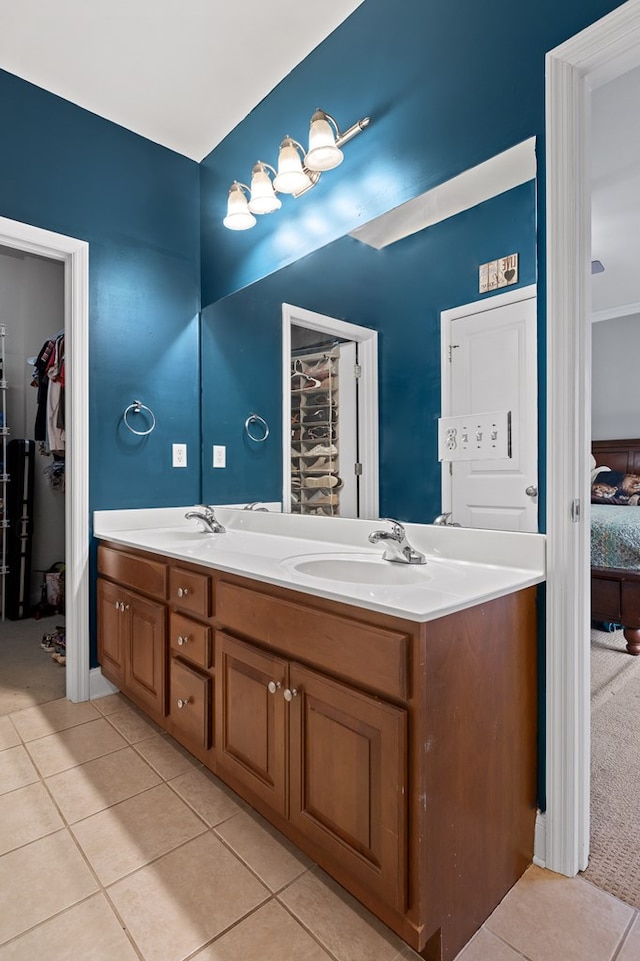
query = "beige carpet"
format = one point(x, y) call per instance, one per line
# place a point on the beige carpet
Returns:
point(28, 675)
point(614, 862)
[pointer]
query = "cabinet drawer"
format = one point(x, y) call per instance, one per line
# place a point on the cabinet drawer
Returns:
point(370, 656)
point(136, 571)
point(191, 640)
point(190, 703)
point(190, 591)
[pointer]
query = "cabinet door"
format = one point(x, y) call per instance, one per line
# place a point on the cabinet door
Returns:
point(250, 721)
point(146, 667)
point(348, 780)
point(111, 635)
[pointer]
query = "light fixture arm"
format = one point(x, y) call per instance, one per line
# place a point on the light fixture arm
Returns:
point(355, 129)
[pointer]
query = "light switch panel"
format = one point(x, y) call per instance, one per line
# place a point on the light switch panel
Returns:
point(475, 436)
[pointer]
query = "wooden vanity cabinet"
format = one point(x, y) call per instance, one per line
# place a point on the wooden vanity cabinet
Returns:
point(131, 645)
point(400, 756)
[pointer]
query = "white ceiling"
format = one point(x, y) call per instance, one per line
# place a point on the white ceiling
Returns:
point(615, 196)
point(182, 73)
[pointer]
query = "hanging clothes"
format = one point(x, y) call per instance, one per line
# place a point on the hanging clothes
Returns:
point(49, 378)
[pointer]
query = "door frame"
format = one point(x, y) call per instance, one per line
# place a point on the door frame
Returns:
point(74, 254)
point(368, 433)
point(598, 54)
point(516, 296)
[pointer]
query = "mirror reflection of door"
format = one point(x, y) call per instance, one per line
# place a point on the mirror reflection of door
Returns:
point(489, 363)
point(330, 416)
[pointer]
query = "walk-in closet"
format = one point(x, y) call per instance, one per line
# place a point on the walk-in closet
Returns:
point(32, 480)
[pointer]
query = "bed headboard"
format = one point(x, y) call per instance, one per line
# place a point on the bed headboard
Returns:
point(620, 455)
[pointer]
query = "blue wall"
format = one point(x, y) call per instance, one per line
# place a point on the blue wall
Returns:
point(447, 84)
point(137, 204)
point(400, 292)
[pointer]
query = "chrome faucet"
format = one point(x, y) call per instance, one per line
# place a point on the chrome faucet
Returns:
point(207, 518)
point(397, 547)
point(444, 520)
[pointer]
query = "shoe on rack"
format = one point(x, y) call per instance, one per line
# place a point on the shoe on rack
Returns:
point(304, 382)
point(319, 432)
point(323, 464)
point(322, 497)
point(319, 414)
point(323, 480)
point(322, 450)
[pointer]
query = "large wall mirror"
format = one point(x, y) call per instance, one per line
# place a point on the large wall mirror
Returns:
point(399, 291)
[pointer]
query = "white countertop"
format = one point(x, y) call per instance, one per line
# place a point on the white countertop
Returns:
point(464, 567)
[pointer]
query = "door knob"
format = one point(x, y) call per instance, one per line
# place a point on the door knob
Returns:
point(273, 686)
point(531, 491)
point(289, 694)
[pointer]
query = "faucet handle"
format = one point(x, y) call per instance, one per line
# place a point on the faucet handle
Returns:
point(397, 527)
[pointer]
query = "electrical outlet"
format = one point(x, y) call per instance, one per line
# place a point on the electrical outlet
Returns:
point(179, 454)
point(219, 456)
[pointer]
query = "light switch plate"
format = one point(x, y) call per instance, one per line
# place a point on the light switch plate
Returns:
point(219, 455)
point(475, 436)
point(179, 455)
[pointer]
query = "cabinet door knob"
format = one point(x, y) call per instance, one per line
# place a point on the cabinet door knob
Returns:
point(290, 694)
point(117, 605)
point(126, 607)
point(273, 686)
point(121, 606)
point(183, 591)
point(182, 639)
point(183, 701)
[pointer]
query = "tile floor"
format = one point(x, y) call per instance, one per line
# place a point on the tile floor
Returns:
point(115, 845)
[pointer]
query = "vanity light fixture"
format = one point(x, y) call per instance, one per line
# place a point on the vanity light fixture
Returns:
point(239, 217)
point(297, 171)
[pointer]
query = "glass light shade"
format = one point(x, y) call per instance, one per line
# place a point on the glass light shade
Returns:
point(239, 217)
point(323, 153)
point(263, 198)
point(290, 178)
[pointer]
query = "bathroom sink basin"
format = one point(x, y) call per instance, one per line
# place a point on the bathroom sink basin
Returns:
point(370, 569)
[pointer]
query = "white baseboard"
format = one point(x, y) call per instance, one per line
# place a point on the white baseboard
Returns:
point(99, 686)
point(540, 841)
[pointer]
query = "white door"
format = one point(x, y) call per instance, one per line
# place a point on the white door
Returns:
point(489, 364)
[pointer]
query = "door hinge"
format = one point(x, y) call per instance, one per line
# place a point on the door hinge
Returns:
point(357, 469)
point(451, 349)
point(357, 370)
point(575, 510)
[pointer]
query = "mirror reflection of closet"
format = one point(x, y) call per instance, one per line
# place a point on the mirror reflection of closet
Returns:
point(324, 425)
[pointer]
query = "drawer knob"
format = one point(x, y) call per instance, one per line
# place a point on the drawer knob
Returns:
point(183, 701)
point(182, 639)
point(183, 591)
point(273, 686)
point(290, 694)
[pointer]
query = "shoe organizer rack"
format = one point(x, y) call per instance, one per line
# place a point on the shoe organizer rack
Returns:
point(315, 440)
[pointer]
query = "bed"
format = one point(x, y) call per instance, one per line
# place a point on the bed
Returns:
point(615, 541)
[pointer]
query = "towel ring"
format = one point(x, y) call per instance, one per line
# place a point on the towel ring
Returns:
point(137, 407)
point(256, 419)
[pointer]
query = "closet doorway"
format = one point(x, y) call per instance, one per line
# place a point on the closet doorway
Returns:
point(330, 415)
point(32, 479)
point(72, 254)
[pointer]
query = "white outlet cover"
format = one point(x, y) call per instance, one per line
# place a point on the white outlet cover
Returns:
point(219, 455)
point(179, 455)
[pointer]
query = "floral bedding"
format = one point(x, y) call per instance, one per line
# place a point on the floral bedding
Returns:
point(615, 537)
